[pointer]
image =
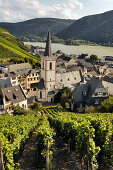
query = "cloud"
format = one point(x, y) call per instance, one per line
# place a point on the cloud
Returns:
point(19, 10)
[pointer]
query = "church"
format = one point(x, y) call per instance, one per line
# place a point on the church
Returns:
point(51, 80)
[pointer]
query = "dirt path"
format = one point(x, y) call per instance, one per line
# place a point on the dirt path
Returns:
point(62, 159)
point(27, 159)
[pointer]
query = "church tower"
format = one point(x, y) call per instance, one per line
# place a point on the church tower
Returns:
point(48, 71)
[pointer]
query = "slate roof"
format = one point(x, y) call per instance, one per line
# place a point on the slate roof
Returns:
point(51, 93)
point(5, 82)
point(84, 92)
point(41, 85)
point(68, 79)
point(10, 74)
point(108, 79)
point(32, 71)
point(48, 46)
point(14, 94)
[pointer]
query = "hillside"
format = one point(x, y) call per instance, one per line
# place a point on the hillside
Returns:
point(96, 28)
point(36, 27)
point(12, 48)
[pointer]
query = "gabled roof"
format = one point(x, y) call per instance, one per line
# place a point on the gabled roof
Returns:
point(95, 86)
point(14, 94)
point(48, 46)
point(84, 92)
point(21, 66)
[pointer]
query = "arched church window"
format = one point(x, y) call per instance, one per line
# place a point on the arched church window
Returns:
point(50, 66)
point(40, 95)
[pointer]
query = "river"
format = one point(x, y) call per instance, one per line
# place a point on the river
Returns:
point(77, 50)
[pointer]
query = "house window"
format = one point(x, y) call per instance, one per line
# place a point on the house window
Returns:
point(50, 66)
point(68, 79)
point(75, 78)
point(50, 79)
point(50, 85)
point(23, 105)
point(40, 95)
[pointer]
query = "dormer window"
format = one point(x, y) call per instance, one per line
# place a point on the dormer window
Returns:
point(14, 97)
point(6, 98)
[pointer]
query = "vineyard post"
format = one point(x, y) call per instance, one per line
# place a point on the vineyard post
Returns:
point(47, 155)
point(1, 158)
point(92, 165)
point(88, 151)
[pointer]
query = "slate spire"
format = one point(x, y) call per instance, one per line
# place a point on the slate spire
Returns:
point(48, 45)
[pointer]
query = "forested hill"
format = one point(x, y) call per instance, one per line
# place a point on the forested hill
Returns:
point(12, 48)
point(96, 28)
point(37, 27)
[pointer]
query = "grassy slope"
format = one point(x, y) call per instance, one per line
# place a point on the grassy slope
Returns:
point(10, 47)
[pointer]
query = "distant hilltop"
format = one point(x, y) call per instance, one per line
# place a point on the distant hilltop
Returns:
point(95, 28)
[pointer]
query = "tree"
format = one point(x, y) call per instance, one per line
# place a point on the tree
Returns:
point(36, 106)
point(93, 57)
point(63, 96)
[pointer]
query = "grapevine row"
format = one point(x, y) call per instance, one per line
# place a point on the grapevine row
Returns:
point(77, 128)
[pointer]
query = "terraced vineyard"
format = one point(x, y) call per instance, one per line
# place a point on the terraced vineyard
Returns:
point(11, 47)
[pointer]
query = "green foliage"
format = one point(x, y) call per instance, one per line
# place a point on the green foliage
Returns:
point(107, 105)
point(37, 27)
point(36, 106)
point(77, 128)
point(63, 96)
point(14, 132)
point(94, 28)
point(44, 133)
point(17, 110)
point(11, 47)
point(93, 57)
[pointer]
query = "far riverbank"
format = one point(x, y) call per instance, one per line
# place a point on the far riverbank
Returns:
point(77, 50)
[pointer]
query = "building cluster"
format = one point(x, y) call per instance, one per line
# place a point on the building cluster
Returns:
point(20, 84)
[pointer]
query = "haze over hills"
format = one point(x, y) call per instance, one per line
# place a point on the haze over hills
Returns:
point(96, 28)
point(37, 27)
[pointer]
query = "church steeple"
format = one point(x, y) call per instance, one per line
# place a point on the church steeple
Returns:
point(48, 45)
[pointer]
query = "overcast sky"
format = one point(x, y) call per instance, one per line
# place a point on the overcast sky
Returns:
point(20, 10)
